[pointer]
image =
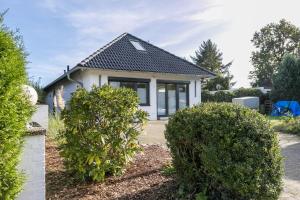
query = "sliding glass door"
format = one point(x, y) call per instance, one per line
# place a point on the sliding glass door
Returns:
point(171, 97)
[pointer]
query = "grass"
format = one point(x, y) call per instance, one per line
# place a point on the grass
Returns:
point(286, 124)
point(56, 124)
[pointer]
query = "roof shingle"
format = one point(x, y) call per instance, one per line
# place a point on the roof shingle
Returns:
point(120, 54)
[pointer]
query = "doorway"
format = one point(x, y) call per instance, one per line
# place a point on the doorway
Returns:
point(171, 96)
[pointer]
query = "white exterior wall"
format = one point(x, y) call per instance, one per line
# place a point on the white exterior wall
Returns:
point(95, 77)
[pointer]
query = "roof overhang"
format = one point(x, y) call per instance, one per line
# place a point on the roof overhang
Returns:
point(74, 69)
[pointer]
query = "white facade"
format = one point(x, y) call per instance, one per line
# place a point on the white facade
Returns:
point(97, 77)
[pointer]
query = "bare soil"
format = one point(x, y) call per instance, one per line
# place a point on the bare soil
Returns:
point(142, 180)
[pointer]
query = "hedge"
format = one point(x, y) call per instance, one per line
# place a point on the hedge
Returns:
point(15, 111)
point(227, 96)
point(225, 151)
point(101, 130)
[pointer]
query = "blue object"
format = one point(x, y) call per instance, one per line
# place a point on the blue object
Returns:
point(286, 108)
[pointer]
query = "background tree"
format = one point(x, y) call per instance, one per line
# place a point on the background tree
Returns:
point(36, 84)
point(209, 56)
point(272, 42)
point(286, 83)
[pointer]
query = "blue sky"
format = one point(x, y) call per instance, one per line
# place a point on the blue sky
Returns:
point(58, 33)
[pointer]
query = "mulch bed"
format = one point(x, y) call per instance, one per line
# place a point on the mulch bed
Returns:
point(142, 180)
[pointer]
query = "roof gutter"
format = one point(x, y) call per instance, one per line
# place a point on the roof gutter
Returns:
point(67, 73)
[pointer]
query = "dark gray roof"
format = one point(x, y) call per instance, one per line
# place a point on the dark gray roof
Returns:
point(120, 54)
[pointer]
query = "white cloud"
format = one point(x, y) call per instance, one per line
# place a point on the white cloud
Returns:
point(177, 25)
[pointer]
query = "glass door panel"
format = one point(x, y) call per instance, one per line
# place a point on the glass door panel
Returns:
point(182, 95)
point(171, 98)
point(161, 100)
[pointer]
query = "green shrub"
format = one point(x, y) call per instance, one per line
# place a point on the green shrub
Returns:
point(15, 111)
point(293, 126)
point(101, 130)
point(287, 125)
point(225, 151)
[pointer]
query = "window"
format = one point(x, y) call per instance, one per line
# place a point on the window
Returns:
point(137, 45)
point(141, 86)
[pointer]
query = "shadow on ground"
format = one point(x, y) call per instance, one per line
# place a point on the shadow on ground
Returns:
point(158, 192)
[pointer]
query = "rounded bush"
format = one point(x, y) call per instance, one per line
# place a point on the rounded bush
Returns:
point(101, 130)
point(225, 151)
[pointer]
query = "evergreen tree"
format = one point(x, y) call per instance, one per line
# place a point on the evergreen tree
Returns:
point(286, 82)
point(209, 56)
point(15, 111)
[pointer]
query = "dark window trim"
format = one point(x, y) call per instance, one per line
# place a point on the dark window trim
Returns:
point(134, 80)
point(129, 79)
point(165, 82)
point(173, 81)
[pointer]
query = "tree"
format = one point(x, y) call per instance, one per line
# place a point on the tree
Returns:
point(286, 82)
point(209, 56)
point(15, 111)
point(272, 42)
point(36, 84)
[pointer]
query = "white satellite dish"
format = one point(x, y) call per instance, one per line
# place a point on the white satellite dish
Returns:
point(30, 93)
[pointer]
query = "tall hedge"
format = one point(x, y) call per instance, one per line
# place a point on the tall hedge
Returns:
point(15, 110)
point(225, 151)
point(227, 96)
point(101, 130)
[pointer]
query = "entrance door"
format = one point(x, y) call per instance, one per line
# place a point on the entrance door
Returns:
point(171, 97)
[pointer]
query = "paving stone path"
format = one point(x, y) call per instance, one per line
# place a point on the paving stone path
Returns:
point(290, 145)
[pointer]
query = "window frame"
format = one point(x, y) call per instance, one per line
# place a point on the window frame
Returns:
point(135, 81)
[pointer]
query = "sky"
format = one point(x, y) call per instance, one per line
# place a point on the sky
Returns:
point(57, 33)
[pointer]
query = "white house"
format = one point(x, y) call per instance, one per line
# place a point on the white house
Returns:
point(163, 81)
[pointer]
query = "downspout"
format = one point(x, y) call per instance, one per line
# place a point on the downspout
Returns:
point(70, 79)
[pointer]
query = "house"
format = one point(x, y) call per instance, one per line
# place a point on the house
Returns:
point(163, 81)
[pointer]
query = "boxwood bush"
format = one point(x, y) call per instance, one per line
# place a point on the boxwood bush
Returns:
point(15, 111)
point(225, 151)
point(101, 130)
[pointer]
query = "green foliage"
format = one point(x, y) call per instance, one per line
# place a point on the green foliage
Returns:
point(225, 151)
point(101, 130)
point(286, 82)
point(287, 125)
point(292, 126)
point(168, 170)
point(272, 42)
point(219, 81)
point(56, 125)
point(15, 111)
point(36, 84)
point(210, 57)
point(227, 96)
